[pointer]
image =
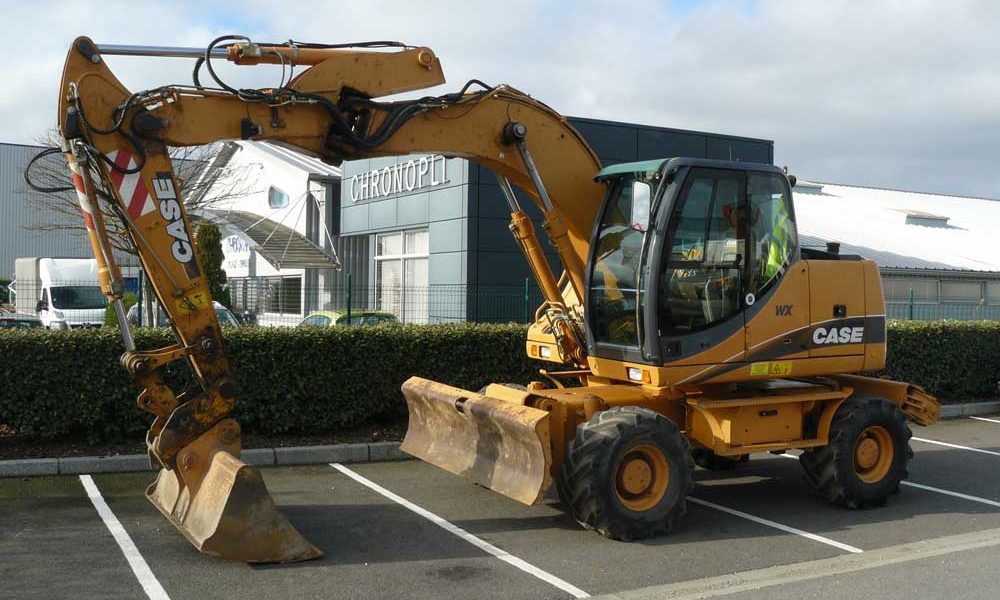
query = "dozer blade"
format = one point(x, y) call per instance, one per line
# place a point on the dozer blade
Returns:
point(500, 445)
point(222, 506)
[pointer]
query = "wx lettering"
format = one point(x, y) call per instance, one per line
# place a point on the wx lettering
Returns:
point(783, 310)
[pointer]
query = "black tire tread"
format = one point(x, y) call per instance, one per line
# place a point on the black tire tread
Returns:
point(580, 490)
point(829, 470)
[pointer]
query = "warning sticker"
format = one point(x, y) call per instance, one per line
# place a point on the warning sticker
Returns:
point(190, 303)
point(771, 368)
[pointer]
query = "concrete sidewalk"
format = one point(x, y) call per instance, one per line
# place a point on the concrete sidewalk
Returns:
point(304, 455)
point(124, 463)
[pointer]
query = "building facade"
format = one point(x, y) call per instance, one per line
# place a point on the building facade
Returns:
point(28, 227)
point(937, 253)
point(435, 229)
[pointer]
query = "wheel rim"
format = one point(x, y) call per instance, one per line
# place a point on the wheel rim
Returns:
point(873, 454)
point(642, 478)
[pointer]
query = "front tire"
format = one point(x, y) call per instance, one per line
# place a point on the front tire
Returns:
point(866, 456)
point(627, 474)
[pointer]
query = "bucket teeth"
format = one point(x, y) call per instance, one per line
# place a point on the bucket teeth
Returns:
point(501, 445)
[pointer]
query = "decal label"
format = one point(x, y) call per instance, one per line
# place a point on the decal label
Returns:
point(170, 209)
point(130, 186)
point(781, 368)
point(828, 336)
point(783, 310)
point(190, 303)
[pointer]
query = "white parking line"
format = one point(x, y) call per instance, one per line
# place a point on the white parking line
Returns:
point(928, 488)
point(785, 528)
point(465, 535)
point(969, 448)
point(919, 486)
point(135, 560)
point(985, 419)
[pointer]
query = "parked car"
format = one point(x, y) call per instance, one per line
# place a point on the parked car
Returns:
point(224, 315)
point(332, 318)
point(14, 320)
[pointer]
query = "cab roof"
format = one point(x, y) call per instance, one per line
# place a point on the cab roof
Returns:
point(642, 166)
point(657, 165)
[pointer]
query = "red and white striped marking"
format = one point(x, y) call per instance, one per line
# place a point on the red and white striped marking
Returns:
point(81, 194)
point(131, 188)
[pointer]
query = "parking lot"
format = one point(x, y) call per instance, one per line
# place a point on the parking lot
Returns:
point(406, 529)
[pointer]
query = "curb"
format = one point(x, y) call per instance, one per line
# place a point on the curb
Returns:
point(302, 455)
point(261, 457)
point(969, 409)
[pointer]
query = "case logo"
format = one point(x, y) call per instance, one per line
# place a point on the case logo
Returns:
point(170, 209)
point(824, 336)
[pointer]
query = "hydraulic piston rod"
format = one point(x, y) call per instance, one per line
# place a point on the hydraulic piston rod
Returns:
point(516, 133)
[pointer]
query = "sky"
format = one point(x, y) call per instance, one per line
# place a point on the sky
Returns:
point(886, 93)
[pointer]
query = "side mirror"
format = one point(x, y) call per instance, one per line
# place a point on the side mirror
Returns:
point(42, 305)
point(641, 194)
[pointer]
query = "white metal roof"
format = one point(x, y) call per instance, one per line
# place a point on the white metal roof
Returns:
point(297, 159)
point(902, 230)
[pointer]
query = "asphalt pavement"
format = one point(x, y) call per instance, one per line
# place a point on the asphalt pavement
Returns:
point(409, 530)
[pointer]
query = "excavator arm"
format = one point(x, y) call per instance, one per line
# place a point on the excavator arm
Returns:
point(116, 144)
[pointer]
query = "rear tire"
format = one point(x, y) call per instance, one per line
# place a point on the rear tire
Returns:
point(708, 460)
point(866, 456)
point(627, 474)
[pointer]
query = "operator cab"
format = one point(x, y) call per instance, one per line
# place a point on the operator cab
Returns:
point(682, 253)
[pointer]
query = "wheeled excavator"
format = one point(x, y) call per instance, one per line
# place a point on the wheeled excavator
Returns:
point(686, 325)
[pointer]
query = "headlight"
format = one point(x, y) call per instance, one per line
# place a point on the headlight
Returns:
point(57, 314)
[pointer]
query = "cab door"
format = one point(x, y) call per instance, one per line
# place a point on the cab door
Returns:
point(777, 282)
point(701, 266)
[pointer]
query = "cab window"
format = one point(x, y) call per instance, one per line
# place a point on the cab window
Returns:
point(700, 279)
point(772, 231)
point(614, 276)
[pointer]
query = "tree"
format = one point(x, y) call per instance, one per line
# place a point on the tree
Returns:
point(205, 176)
point(208, 242)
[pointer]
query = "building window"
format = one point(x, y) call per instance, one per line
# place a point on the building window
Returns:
point(276, 197)
point(897, 289)
point(993, 292)
point(284, 295)
point(961, 291)
point(401, 275)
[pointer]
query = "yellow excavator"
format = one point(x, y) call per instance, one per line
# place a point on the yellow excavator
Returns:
point(686, 326)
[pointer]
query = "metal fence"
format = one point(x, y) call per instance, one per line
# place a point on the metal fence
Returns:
point(970, 297)
point(286, 301)
point(934, 311)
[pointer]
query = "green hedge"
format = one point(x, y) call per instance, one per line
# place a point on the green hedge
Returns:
point(955, 360)
point(316, 380)
point(309, 381)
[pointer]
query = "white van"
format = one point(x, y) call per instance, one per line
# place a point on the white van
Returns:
point(63, 292)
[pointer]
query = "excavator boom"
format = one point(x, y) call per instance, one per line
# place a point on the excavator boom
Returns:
point(116, 143)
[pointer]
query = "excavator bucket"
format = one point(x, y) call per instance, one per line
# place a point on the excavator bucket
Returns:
point(222, 507)
point(498, 444)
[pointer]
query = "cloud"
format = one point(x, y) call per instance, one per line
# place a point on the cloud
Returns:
point(894, 93)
